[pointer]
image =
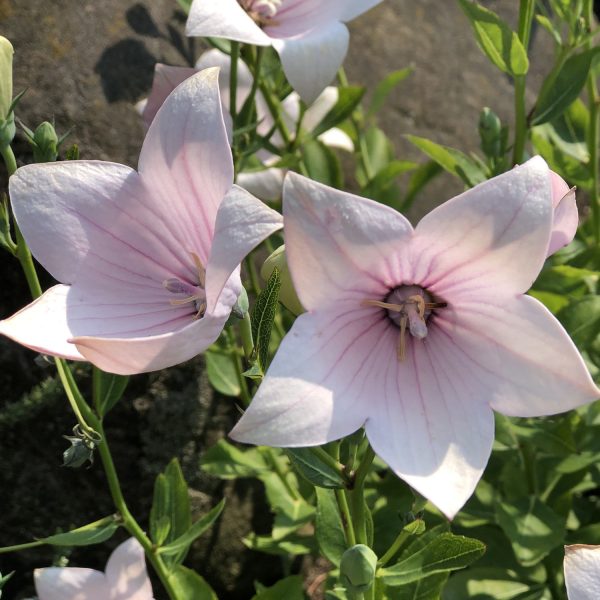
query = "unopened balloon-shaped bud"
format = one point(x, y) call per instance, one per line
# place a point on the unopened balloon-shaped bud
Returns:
point(45, 143)
point(287, 293)
point(490, 132)
point(6, 83)
point(357, 568)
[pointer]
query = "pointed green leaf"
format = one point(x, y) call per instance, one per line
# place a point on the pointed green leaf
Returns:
point(562, 87)
point(263, 317)
point(313, 469)
point(501, 45)
point(222, 373)
point(108, 390)
point(447, 552)
point(94, 533)
point(188, 585)
point(226, 461)
point(329, 528)
point(385, 87)
point(289, 588)
point(183, 542)
point(322, 164)
point(452, 160)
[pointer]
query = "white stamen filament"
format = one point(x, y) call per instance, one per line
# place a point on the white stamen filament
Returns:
point(195, 293)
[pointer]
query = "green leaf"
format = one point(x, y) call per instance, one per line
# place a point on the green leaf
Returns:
point(447, 552)
point(183, 542)
point(94, 533)
point(582, 319)
point(289, 588)
point(533, 528)
point(562, 87)
point(294, 545)
point(322, 164)
point(424, 174)
point(263, 317)
point(450, 159)
point(221, 373)
point(349, 98)
point(501, 45)
point(313, 469)
point(170, 504)
point(228, 462)
point(185, 5)
point(428, 588)
point(328, 526)
point(187, 584)
point(384, 87)
point(109, 389)
point(385, 177)
point(484, 583)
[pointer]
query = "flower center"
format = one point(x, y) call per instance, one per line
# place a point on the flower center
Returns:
point(261, 11)
point(409, 307)
point(193, 294)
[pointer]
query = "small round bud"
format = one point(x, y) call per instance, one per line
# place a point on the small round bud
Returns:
point(490, 132)
point(358, 567)
point(45, 143)
point(287, 293)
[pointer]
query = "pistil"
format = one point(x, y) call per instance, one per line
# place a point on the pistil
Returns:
point(193, 293)
point(408, 307)
point(261, 11)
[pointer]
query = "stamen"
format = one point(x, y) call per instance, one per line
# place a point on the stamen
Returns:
point(401, 348)
point(200, 270)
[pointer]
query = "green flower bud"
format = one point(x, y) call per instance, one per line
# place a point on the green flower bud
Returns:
point(490, 132)
point(287, 293)
point(6, 83)
point(45, 143)
point(357, 568)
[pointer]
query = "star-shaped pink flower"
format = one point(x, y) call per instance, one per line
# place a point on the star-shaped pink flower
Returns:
point(419, 334)
point(146, 281)
point(309, 35)
point(125, 578)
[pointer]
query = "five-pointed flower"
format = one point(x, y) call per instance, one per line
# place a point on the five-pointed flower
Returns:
point(125, 578)
point(417, 334)
point(582, 572)
point(147, 283)
point(309, 35)
point(265, 183)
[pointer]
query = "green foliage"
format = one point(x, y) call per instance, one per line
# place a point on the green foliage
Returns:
point(263, 317)
point(289, 588)
point(188, 584)
point(329, 527)
point(221, 372)
point(108, 390)
point(228, 462)
point(94, 533)
point(316, 471)
point(501, 45)
point(322, 164)
point(349, 98)
point(384, 88)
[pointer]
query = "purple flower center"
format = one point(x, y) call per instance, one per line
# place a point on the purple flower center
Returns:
point(193, 294)
point(261, 11)
point(409, 308)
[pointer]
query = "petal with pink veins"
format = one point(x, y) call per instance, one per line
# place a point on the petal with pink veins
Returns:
point(226, 19)
point(518, 348)
point(70, 583)
point(243, 222)
point(566, 218)
point(42, 325)
point(310, 61)
point(340, 246)
point(582, 572)
point(126, 573)
point(185, 162)
point(492, 237)
point(317, 386)
point(429, 421)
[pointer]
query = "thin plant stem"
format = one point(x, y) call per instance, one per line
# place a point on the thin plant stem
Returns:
point(357, 496)
point(236, 360)
point(233, 77)
point(331, 462)
point(593, 132)
point(246, 334)
point(393, 549)
point(342, 502)
point(275, 110)
point(526, 13)
point(272, 458)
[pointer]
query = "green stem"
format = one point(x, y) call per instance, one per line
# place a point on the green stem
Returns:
point(233, 76)
point(393, 549)
point(593, 133)
point(342, 500)
point(275, 110)
point(19, 547)
point(272, 458)
point(526, 13)
point(251, 267)
point(326, 458)
point(129, 521)
point(246, 333)
point(357, 497)
point(235, 358)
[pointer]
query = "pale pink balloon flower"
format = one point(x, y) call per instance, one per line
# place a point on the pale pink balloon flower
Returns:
point(143, 285)
point(582, 572)
point(125, 578)
point(310, 36)
point(419, 334)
